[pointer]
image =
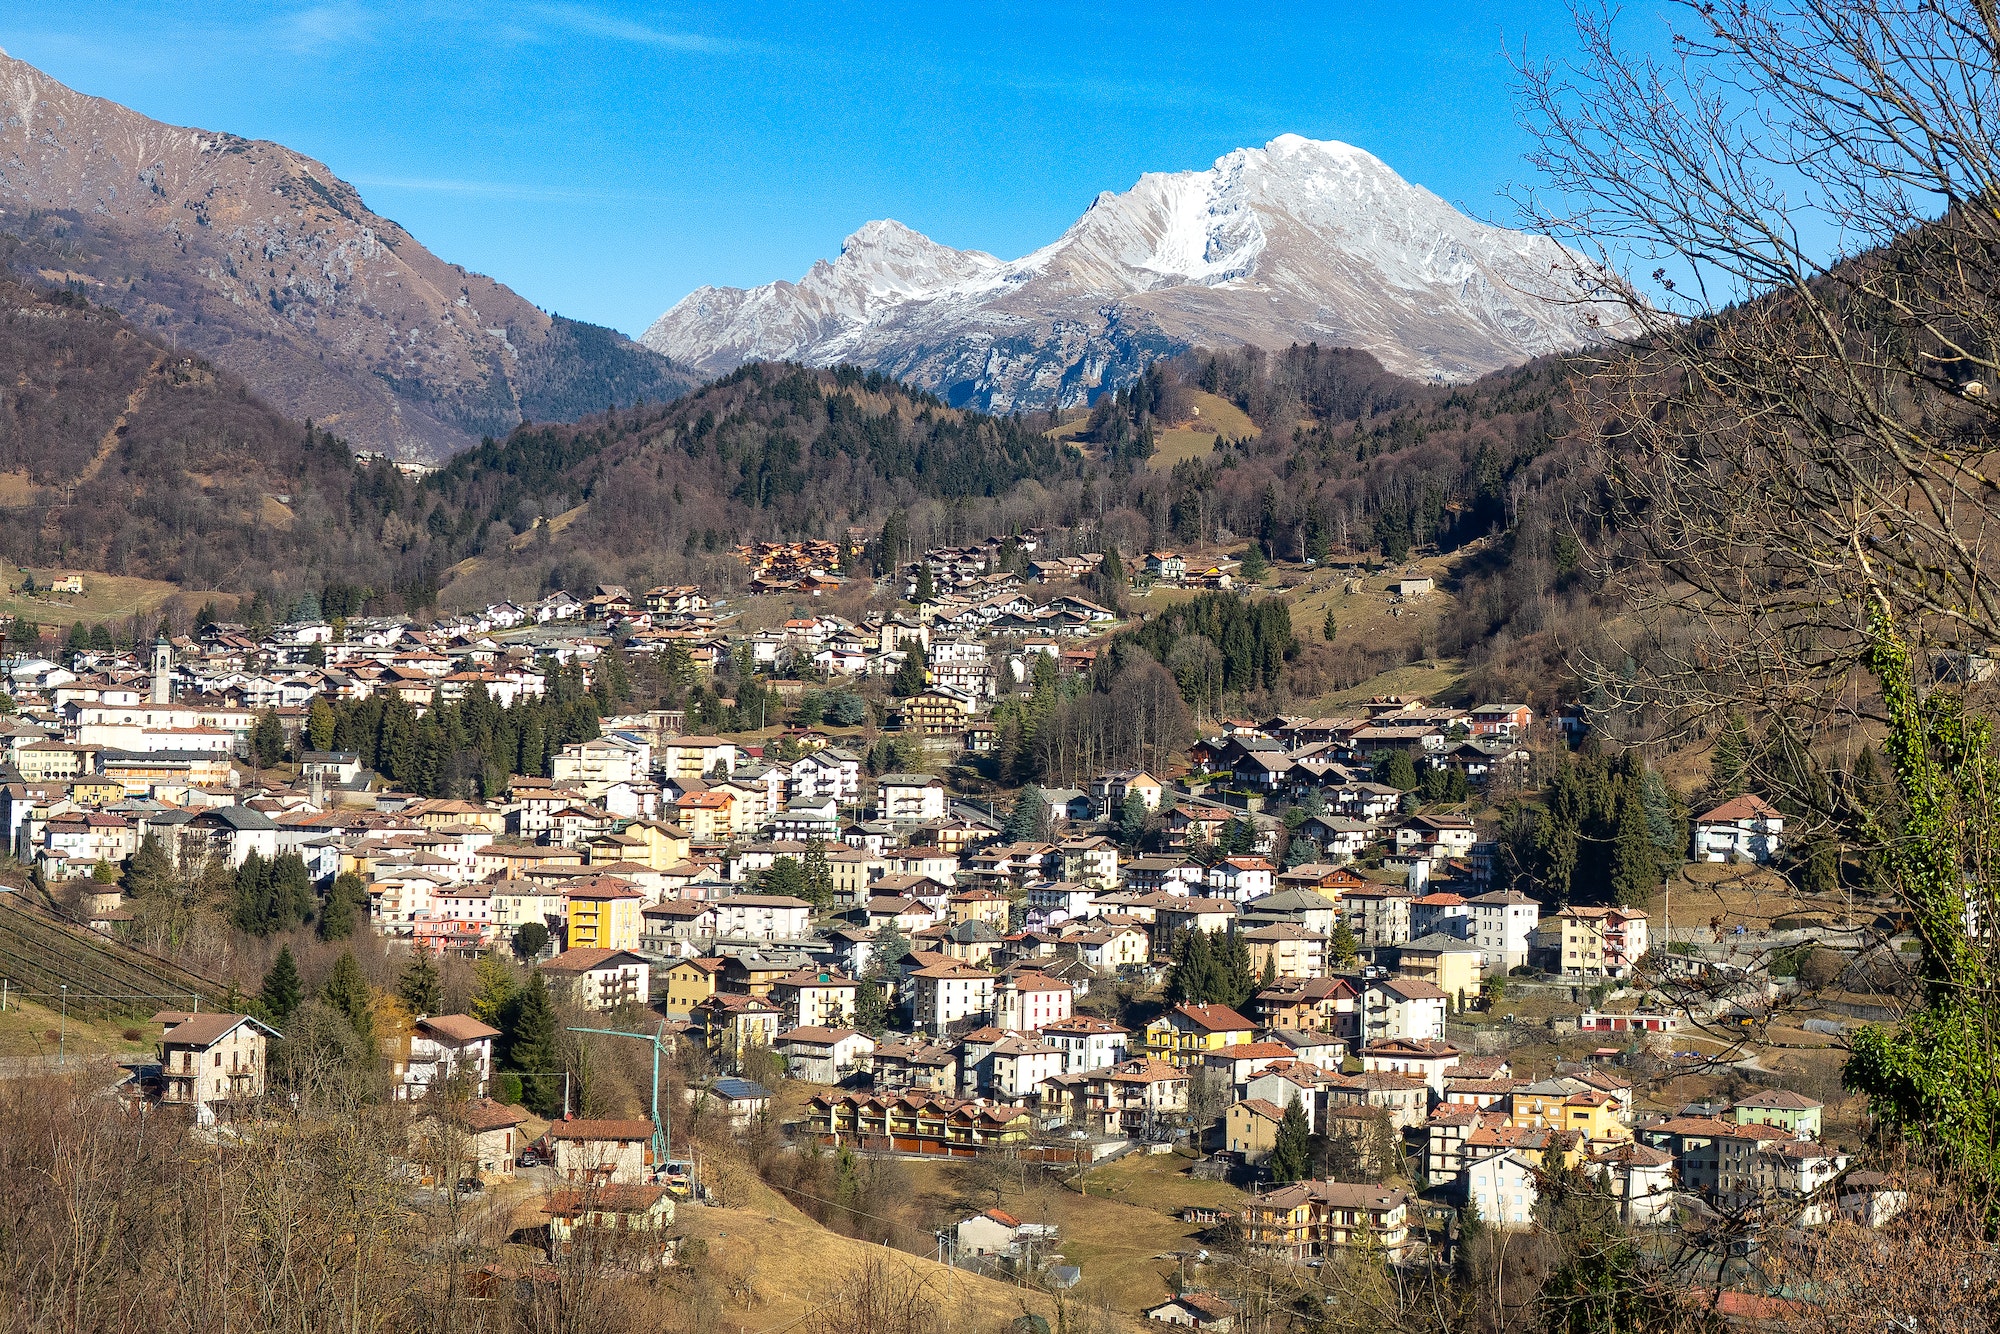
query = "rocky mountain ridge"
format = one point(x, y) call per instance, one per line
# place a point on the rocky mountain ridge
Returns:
point(1298, 241)
point(263, 260)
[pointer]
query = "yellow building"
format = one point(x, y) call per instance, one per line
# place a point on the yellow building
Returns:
point(96, 791)
point(854, 869)
point(1250, 1128)
point(654, 844)
point(1451, 965)
point(1184, 1034)
point(708, 816)
point(978, 905)
point(603, 914)
point(689, 983)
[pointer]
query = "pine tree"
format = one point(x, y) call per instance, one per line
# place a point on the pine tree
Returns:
point(1291, 1159)
point(1342, 948)
point(345, 903)
point(1327, 627)
point(926, 589)
point(346, 990)
point(418, 986)
point(1132, 816)
point(1398, 771)
point(534, 1048)
point(891, 946)
point(910, 677)
point(1634, 865)
point(1238, 983)
point(1730, 759)
point(267, 739)
point(280, 993)
point(493, 990)
point(819, 874)
point(1029, 820)
point(786, 877)
point(530, 939)
point(1270, 973)
point(151, 870)
point(1255, 566)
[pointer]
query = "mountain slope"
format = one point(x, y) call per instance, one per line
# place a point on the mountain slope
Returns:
point(264, 261)
point(1299, 241)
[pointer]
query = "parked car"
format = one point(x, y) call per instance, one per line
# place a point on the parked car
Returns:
point(470, 1185)
point(531, 1159)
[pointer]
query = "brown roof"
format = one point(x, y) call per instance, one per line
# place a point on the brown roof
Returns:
point(619, 1197)
point(483, 1114)
point(583, 960)
point(205, 1030)
point(595, 1130)
point(458, 1027)
point(1216, 1018)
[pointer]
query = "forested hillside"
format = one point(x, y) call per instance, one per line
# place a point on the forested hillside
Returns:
point(123, 454)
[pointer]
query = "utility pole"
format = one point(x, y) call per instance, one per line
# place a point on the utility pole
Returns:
point(62, 1029)
point(662, 1141)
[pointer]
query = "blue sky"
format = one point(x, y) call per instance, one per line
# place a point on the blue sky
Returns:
point(605, 159)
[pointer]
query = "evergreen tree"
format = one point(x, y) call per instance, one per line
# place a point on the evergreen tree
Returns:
point(418, 986)
point(787, 877)
point(267, 738)
point(346, 902)
point(910, 678)
point(1634, 860)
point(1397, 771)
point(534, 1047)
point(280, 993)
point(1291, 1159)
point(1255, 566)
point(150, 870)
point(1729, 762)
point(1300, 851)
point(1327, 627)
point(1270, 973)
point(1132, 816)
point(320, 724)
point(926, 589)
point(346, 990)
point(1192, 978)
point(1342, 948)
point(1028, 822)
point(1237, 982)
point(530, 939)
point(871, 1007)
point(891, 946)
point(819, 874)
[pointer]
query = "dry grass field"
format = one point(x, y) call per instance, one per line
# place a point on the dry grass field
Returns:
point(105, 597)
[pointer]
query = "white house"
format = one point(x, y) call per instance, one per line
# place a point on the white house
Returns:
point(1745, 828)
point(762, 917)
point(442, 1045)
point(1088, 1043)
point(1241, 879)
point(824, 1055)
point(1500, 924)
point(946, 993)
point(1402, 1007)
point(1502, 1185)
point(909, 798)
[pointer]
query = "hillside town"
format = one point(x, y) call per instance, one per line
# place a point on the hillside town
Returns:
point(1269, 955)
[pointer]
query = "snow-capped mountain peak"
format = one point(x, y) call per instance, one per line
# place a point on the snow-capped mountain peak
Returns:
point(1299, 240)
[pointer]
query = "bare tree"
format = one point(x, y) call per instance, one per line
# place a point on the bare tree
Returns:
point(1799, 502)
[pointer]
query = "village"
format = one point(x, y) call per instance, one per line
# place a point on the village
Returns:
point(1280, 961)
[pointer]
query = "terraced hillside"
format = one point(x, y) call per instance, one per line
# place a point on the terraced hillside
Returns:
point(40, 953)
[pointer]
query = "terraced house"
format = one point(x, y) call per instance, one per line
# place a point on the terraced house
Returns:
point(1310, 1220)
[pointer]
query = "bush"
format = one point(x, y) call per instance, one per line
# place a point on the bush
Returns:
point(507, 1088)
